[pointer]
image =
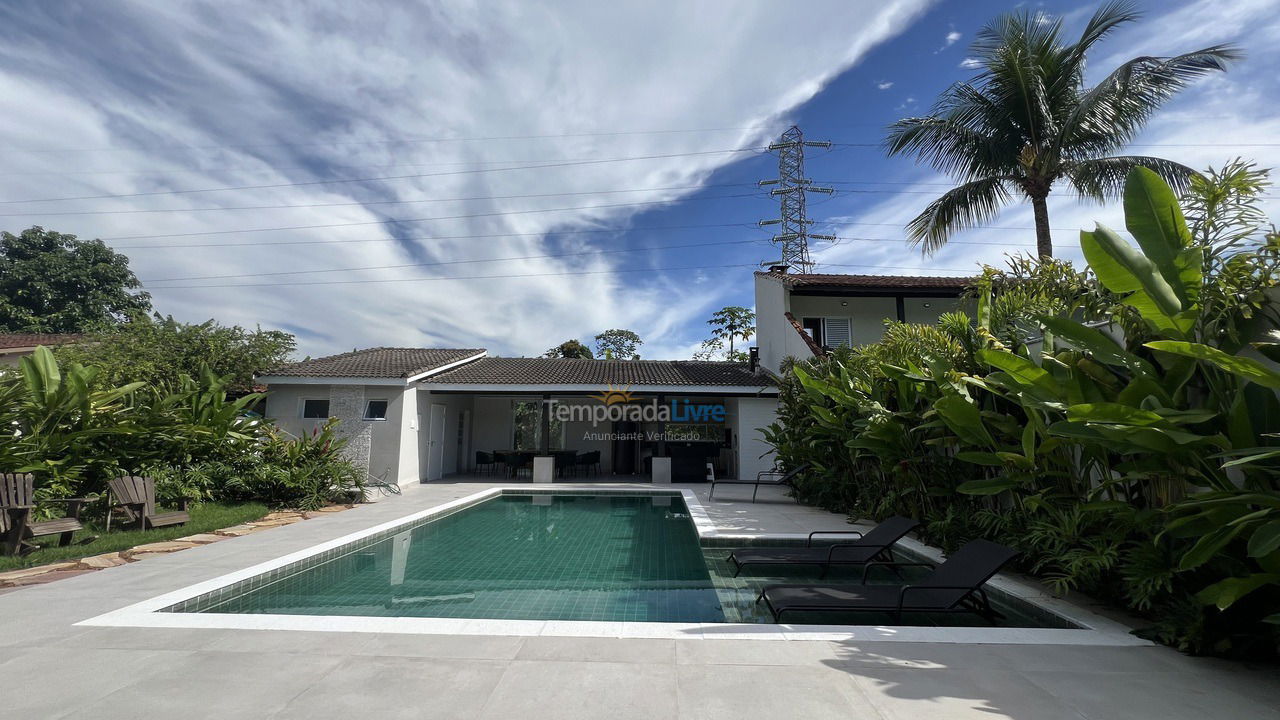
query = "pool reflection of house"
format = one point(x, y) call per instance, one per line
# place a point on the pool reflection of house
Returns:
point(424, 414)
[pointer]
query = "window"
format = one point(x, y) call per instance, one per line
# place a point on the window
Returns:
point(527, 422)
point(813, 326)
point(315, 409)
point(829, 331)
point(375, 410)
point(838, 332)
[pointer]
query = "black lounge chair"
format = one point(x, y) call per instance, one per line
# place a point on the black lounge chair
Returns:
point(877, 543)
point(768, 477)
point(953, 586)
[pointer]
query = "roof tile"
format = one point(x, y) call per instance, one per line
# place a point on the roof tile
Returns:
point(380, 362)
point(572, 371)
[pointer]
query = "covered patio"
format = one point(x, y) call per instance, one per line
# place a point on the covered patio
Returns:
point(559, 419)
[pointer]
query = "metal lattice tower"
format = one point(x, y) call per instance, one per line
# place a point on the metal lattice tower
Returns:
point(791, 190)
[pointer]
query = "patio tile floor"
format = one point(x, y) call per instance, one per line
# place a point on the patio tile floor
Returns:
point(54, 669)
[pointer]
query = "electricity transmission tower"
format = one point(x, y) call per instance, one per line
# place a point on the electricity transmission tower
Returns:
point(792, 186)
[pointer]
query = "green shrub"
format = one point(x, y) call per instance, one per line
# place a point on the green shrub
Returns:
point(1138, 469)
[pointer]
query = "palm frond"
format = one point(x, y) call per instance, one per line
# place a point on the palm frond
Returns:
point(1102, 178)
point(948, 145)
point(958, 209)
point(1112, 113)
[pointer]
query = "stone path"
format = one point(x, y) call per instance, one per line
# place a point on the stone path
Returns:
point(42, 574)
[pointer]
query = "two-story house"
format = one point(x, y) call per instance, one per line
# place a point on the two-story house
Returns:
point(797, 315)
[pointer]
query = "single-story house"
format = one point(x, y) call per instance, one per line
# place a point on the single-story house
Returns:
point(423, 414)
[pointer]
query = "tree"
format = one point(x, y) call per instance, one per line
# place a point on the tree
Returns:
point(158, 350)
point(729, 324)
point(54, 283)
point(1027, 121)
point(618, 344)
point(570, 349)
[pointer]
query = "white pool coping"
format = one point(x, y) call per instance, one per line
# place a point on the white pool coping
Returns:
point(1094, 629)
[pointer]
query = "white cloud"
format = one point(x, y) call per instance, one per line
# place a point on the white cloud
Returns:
point(170, 87)
point(952, 38)
point(884, 84)
point(970, 63)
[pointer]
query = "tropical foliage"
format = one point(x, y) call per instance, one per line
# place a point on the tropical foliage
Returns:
point(1115, 425)
point(74, 436)
point(618, 344)
point(1027, 121)
point(55, 283)
point(159, 350)
point(728, 325)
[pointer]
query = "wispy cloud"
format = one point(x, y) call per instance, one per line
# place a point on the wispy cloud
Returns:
point(970, 63)
point(194, 95)
point(884, 84)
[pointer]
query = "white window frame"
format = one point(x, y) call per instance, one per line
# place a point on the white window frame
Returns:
point(302, 408)
point(848, 328)
point(365, 415)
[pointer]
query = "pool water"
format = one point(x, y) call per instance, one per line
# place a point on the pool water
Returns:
point(518, 557)
point(607, 557)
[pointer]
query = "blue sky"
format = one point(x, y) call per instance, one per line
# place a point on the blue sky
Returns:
point(651, 231)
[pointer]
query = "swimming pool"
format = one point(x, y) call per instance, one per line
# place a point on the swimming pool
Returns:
point(518, 557)
point(609, 557)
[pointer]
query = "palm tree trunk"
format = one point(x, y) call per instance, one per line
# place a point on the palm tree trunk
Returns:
point(1044, 239)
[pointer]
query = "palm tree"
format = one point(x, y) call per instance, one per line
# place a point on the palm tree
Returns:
point(1027, 121)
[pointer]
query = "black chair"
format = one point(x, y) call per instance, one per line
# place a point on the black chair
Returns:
point(877, 543)
point(954, 586)
point(485, 462)
point(767, 477)
point(588, 462)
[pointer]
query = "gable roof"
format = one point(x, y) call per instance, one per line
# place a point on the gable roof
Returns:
point(888, 283)
point(379, 362)
point(26, 340)
point(599, 373)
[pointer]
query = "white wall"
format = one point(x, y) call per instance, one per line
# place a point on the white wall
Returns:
point(775, 337)
point(376, 445)
point(750, 416)
point(866, 314)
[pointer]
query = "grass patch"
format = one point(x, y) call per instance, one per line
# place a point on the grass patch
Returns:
point(205, 517)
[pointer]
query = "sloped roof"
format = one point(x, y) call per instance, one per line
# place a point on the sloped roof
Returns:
point(22, 340)
point(871, 282)
point(379, 362)
point(570, 371)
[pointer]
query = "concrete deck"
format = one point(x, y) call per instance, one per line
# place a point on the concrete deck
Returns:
point(55, 669)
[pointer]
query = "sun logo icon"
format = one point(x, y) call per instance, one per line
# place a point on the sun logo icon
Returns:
point(614, 396)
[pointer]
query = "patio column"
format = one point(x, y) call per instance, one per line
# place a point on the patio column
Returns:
point(662, 431)
point(546, 424)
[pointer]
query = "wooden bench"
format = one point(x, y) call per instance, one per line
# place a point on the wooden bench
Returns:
point(18, 502)
point(136, 497)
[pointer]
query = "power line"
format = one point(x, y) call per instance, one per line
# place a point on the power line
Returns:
point(657, 228)
point(407, 140)
point(539, 257)
point(459, 262)
point(384, 177)
point(425, 219)
point(519, 275)
point(377, 202)
point(457, 277)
